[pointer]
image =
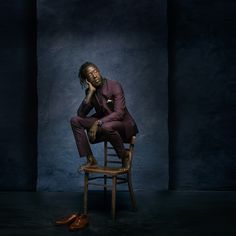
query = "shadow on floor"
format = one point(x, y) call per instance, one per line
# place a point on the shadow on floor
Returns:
point(159, 213)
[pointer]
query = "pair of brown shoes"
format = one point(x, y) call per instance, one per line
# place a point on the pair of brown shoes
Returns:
point(75, 221)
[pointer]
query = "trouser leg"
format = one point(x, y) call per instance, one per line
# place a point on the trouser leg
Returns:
point(79, 125)
point(112, 132)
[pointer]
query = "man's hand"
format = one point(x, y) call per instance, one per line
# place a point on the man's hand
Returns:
point(91, 91)
point(93, 131)
point(91, 88)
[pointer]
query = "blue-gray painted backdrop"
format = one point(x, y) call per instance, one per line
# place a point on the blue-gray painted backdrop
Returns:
point(127, 40)
point(203, 95)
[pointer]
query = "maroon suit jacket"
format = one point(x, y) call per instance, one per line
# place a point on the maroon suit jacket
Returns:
point(109, 104)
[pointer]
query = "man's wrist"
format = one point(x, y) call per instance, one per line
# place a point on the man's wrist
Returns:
point(99, 123)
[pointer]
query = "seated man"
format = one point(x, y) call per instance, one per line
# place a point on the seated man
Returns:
point(111, 122)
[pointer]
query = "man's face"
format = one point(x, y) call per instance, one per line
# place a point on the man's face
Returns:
point(93, 76)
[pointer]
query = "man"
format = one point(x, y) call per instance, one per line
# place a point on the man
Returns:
point(111, 122)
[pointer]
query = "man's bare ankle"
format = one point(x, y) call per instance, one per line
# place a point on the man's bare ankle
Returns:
point(91, 160)
point(126, 161)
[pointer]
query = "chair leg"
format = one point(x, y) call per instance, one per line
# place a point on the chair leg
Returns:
point(131, 192)
point(86, 176)
point(113, 198)
point(105, 184)
point(105, 189)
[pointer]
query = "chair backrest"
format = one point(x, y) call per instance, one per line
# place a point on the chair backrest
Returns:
point(109, 152)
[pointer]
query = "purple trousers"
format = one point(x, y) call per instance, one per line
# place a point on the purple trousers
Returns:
point(110, 131)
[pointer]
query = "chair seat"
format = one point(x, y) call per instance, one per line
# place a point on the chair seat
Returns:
point(105, 170)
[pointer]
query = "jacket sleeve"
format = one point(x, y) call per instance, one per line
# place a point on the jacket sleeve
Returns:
point(84, 107)
point(119, 105)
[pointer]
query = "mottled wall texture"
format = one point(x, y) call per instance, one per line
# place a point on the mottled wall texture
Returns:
point(18, 115)
point(128, 41)
point(202, 95)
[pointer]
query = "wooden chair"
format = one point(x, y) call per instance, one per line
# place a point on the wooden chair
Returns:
point(119, 175)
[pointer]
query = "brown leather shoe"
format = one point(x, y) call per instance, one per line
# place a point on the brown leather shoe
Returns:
point(66, 220)
point(80, 222)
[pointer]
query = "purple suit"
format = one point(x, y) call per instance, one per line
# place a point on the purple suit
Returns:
point(118, 126)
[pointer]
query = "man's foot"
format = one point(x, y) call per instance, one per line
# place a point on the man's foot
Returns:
point(66, 220)
point(126, 160)
point(91, 161)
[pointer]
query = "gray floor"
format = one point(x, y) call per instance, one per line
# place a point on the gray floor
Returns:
point(159, 213)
